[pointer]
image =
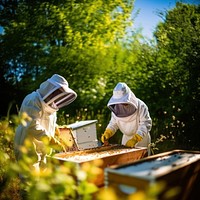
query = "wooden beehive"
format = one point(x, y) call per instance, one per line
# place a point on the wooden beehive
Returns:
point(110, 155)
point(178, 169)
point(80, 135)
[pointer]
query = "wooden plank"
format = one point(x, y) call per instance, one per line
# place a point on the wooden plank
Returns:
point(178, 169)
point(110, 155)
point(86, 151)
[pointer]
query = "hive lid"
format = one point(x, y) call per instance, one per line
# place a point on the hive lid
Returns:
point(156, 166)
point(80, 124)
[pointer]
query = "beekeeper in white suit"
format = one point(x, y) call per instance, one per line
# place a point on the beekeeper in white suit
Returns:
point(131, 116)
point(42, 106)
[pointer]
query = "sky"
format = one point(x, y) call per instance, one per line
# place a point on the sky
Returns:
point(147, 19)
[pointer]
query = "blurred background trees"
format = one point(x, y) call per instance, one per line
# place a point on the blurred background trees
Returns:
point(93, 45)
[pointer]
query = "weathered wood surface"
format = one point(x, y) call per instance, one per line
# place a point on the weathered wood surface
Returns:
point(181, 172)
point(111, 155)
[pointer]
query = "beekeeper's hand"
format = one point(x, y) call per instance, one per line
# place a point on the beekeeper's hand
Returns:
point(132, 142)
point(106, 135)
point(56, 144)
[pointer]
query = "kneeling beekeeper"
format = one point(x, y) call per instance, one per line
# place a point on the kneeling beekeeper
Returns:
point(130, 115)
point(42, 106)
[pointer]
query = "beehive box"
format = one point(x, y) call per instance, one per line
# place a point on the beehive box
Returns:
point(110, 155)
point(80, 135)
point(177, 169)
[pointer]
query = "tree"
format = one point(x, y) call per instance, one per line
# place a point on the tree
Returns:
point(179, 37)
point(67, 37)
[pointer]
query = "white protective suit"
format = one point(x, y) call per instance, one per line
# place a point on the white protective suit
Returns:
point(131, 119)
point(41, 105)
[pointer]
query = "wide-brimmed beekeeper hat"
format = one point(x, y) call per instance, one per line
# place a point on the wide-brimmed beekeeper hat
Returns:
point(123, 95)
point(56, 91)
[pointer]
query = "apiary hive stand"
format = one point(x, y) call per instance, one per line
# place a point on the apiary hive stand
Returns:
point(176, 169)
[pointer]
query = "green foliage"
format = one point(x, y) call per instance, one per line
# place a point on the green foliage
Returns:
point(7, 128)
point(58, 36)
point(7, 158)
point(87, 43)
point(55, 181)
point(178, 38)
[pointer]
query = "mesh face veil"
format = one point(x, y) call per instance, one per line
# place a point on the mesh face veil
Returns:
point(123, 102)
point(123, 110)
point(56, 92)
point(59, 98)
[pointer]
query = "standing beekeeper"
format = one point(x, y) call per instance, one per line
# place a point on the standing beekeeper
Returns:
point(131, 116)
point(42, 106)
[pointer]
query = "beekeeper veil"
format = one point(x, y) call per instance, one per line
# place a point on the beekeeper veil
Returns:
point(56, 93)
point(123, 102)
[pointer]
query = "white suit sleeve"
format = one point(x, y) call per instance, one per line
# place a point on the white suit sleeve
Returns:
point(144, 119)
point(34, 127)
point(112, 124)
